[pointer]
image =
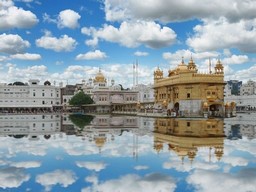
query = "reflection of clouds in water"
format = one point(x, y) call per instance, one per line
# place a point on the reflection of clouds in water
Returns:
point(243, 144)
point(62, 177)
point(186, 167)
point(26, 164)
point(141, 167)
point(12, 177)
point(136, 183)
point(204, 180)
point(95, 166)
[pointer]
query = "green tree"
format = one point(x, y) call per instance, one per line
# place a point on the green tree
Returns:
point(80, 99)
point(81, 120)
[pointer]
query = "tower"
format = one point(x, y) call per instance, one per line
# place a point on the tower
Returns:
point(158, 74)
point(219, 69)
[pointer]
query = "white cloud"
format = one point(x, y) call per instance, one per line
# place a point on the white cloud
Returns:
point(12, 177)
point(62, 177)
point(176, 57)
point(95, 166)
point(13, 73)
point(12, 44)
point(14, 17)
point(68, 18)
point(92, 42)
point(62, 44)
point(26, 164)
point(3, 58)
point(169, 11)
point(135, 183)
point(217, 182)
point(6, 3)
point(141, 167)
point(26, 56)
point(134, 34)
point(92, 55)
point(139, 53)
point(220, 34)
point(236, 59)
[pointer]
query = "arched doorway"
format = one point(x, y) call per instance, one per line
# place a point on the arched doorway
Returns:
point(176, 107)
point(216, 110)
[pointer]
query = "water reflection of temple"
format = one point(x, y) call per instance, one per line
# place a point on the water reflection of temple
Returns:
point(186, 136)
point(30, 126)
point(104, 128)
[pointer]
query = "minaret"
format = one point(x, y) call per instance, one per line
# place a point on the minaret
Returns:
point(137, 72)
point(210, 66)
point(191, 64)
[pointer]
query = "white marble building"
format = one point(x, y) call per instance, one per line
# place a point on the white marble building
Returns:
point(29, 97)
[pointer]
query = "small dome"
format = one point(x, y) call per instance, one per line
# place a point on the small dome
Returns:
point(47, 83)
point(182, 66)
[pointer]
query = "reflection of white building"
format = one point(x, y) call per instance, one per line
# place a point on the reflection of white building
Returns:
point(20, 97)
point(244, 123)
point(31, 126)
point(104, 128)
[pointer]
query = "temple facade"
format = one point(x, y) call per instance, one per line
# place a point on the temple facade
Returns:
point(186, 92)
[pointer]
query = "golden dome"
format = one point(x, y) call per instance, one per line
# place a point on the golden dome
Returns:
point(182, 66)
point(99, 78)
point(100, 141)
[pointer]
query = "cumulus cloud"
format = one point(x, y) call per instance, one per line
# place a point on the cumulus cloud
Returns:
point(169, 11)
point(12, 177)
point(14, 17)
point(221, 34)
point(68, 18)
point(175, 58)
point(26, 56)
point(62, 177)
point(134, 34)
point(139, 53)
point(127, 183)
point(62, 44)
point(95, 166)
point(217, 182)
point(236, 59)
point(15, 73)
point(12, 44)
point(26, 164)
point(92, 55)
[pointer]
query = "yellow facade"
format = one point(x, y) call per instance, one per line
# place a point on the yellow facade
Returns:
point(184, 137)
point(187, 92)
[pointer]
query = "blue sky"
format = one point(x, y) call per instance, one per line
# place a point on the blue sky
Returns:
point(68, 41)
